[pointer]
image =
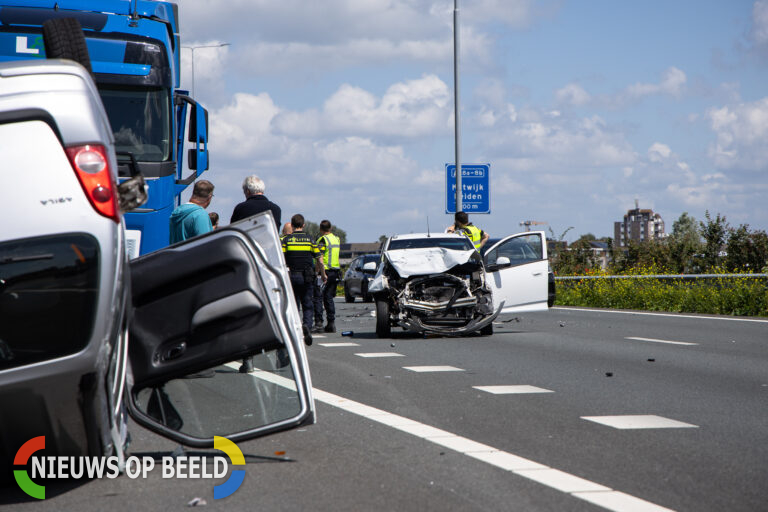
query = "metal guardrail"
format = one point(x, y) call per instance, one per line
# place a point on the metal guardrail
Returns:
point(660, 276)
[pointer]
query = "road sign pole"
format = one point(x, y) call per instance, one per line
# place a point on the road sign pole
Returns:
point(457, 130)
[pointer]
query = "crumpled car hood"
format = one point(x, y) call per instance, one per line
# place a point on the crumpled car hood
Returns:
point(432, 260)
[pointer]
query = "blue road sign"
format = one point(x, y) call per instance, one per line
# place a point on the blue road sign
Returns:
point(475, 182)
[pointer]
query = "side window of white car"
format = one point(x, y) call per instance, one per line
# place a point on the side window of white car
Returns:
point(519, 250)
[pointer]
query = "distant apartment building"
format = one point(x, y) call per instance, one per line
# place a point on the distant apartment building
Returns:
point(638, 225)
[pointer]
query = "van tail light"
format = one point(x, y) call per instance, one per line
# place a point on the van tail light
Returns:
point(91, 166)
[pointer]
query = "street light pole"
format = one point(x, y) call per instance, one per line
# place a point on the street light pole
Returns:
point(193, 48)
point(457, 128)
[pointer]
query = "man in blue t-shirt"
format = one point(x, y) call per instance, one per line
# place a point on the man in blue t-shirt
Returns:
point(190, 219)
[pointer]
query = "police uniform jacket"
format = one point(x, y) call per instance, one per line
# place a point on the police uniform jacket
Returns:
point(299, 251)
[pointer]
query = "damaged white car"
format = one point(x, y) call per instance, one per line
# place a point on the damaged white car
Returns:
point(438, 283)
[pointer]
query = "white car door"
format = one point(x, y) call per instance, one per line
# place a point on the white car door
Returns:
point(517, 272)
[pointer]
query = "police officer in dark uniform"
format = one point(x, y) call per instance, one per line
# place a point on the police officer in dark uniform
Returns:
point(302, 257)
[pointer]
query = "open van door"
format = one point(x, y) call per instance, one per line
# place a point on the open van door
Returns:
point(517, 272)
point(199, 308)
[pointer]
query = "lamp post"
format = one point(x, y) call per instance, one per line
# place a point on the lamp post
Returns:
point(193, 48)
point(457, 130)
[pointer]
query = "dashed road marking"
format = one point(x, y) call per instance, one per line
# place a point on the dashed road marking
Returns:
point(636, 421)
point(660, 341)
point(433, 368)
point(379, 354)
point(571, 484)
point(339, 344)
point(510, 390)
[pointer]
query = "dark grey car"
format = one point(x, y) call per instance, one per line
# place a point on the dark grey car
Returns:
point(357, 277)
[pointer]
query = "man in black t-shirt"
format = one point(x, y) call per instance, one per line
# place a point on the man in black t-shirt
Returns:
point(255, 201)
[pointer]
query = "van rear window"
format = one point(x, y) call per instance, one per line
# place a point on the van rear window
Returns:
point(48, 295)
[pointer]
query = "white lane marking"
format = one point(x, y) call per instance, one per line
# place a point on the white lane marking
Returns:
point(660, 341)
point(509, 390)
point(596, 493)
point(433, 368)
point(635, 421)
point(505, 460)
point(379, 354)
point(618, 501)
point(315, 336)
point(561, 480)
point(339, 344)
point(698, 317)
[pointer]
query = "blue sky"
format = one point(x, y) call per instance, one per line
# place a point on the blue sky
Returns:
point(345, 108)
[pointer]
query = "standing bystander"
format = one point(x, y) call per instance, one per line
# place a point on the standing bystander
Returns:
point(255, 201)
point(189, 219)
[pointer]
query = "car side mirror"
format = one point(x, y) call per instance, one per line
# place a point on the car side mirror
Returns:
point(500, 263)
point(369, 267)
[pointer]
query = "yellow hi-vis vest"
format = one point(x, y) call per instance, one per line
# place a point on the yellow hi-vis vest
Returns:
point(474, 234)
point(331, 247)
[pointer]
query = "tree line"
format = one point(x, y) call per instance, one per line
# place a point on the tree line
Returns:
point(693, 247)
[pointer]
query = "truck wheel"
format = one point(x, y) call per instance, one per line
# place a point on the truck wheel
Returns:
point(487, 330)
point(383, 329)
point(64, 39)
point(348, 298)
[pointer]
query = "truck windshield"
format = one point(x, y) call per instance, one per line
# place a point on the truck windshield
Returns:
point(140, 119)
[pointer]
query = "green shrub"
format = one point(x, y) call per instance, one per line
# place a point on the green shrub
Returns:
point(742, 296)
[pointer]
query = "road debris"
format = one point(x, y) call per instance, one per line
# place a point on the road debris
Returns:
point(197, 502)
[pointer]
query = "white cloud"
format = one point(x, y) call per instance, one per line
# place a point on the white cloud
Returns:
point(672, 82)
point(413, 108)
point(361, 161)
point(573, 94)
point(268, 58)
point(741, 132)
point(658, 152)
point(561, 143)
point(759, 32)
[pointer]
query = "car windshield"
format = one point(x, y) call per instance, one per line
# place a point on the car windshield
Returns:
point(147, 136)
point(371, 258)
point(456, 244)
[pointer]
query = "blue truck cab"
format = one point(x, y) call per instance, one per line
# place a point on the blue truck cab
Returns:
point(134, 51)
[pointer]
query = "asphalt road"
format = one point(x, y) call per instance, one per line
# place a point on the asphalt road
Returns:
point(690, 391)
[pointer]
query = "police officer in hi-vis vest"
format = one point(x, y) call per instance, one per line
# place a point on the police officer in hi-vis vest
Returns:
point(461, 225)
point(302, 257)
point(330, 247)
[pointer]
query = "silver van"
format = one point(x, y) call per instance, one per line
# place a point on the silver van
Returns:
point(86, 336)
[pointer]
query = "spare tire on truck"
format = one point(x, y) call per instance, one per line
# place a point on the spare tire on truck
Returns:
point(64, 39)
